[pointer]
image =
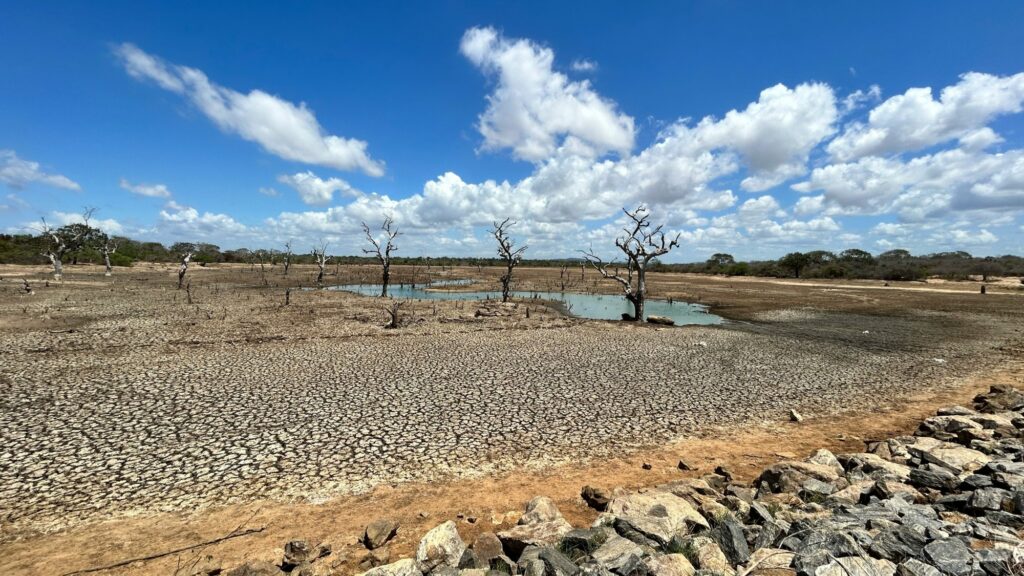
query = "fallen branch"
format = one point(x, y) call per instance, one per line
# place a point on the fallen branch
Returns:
point(233, 534)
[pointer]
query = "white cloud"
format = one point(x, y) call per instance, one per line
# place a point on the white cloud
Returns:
point(776, 133)
point(915, 120)
point(269, 191)
point(316, 191)
point(108, 225)
point(929, 185)
point(966, 237)
point(150, 190)
point(18, 173)
point(186, 223)
point(584, 65)
point(534, 110)
point(282, 128)
point(809, 205)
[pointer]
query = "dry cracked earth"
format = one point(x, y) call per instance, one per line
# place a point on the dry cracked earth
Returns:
point(119, 397)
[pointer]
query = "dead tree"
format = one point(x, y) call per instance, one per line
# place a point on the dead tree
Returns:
point(108, 247)
point(507, 251)
point(321, 257)
point(65, 240)
point(287, 258)
point(392, 310)
point(640, 244)
point(185, 259)
point(383, 249)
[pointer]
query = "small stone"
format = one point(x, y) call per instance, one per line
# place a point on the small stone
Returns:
point(540, 509)
point(646, 466)
point(795, 416)
point(379, 532)
point(724, 473)
point(596, 498)
point(684, 466)
point(296, 552)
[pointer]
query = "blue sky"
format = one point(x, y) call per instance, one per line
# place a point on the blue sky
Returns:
point(751, 128)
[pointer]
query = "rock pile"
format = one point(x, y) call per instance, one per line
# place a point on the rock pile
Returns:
point(947, 501)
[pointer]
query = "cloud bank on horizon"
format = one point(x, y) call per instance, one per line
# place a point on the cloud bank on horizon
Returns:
point(925, 164)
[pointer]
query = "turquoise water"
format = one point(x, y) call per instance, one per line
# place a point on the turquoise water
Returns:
point(594, 306)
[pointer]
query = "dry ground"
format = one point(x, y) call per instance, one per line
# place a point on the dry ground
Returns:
point(132, 421)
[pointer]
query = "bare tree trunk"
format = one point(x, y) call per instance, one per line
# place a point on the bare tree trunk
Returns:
point(106, 262)
point(385, 279)
point(183, 268)
point(320, 275)
point(58, 266)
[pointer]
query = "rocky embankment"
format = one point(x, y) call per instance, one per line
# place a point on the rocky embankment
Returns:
point(948, 500)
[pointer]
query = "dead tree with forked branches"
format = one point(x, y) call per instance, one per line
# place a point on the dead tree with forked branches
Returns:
point(382, 249)
point(287, 256)
point(508, 252)
point(321, 257)
point(640, 244)
point(66, 240)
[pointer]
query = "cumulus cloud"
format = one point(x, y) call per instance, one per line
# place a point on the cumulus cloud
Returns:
point(535, 110)
point(107, 225)
point(915, 120)
point(776, 133)
point(316, 191)
point(185, 222)
point(150, 190)
point(282, 128)
point(584, 65)
point(929, 185)
point(18, 173)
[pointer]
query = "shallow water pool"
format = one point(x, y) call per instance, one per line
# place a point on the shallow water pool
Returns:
point(593, 306)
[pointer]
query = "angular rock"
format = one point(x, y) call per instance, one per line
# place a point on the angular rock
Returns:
point(441, 546)
point(379, 532)
point(540, 509)
point(662, 320)
point(658, 515)
point(580, 542)
point(539, 534)
point(730, 538)
point(873, 463)
point(486, 546)
point(951, 556)
point(259, 568)
point(824, 457)
point(856, 566)
point(406, 567)
point(556, 563)
point(914, 567)
point(296, 552)
point(709, 556)
point(617, 553)
point(989, 499)
point(596, 498)
point(765, 558)
point(935, 477)
point(669, 565)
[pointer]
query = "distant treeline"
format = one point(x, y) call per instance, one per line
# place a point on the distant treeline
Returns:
point(856, 263)
point(852, 263)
